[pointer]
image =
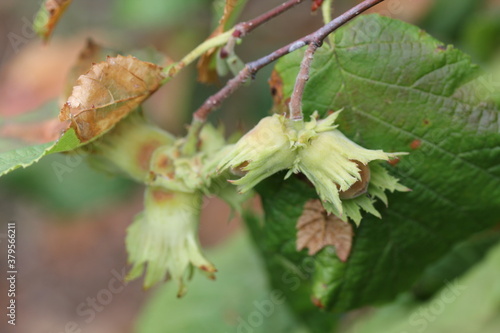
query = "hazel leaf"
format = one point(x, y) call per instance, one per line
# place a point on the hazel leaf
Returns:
point(401, 90)
point(26, 156)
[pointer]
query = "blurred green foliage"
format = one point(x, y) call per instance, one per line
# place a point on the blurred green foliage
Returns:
point(67, 185)
point(159, 13)
point(446, 19)
point(481, 36)
point(455, 263)
point(470, 304)
point(239, 301)
point(468, 24)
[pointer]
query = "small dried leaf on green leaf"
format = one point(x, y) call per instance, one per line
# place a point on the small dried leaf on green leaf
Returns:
point(317, 229)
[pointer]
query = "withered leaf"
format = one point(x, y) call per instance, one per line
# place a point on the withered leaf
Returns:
point(108, 92)
point(229, 8)
point(316, 229)
point(206, 68)
point(48, 16)
point(90, 54)
point(276, 87)
point(206, 65)
point(316, 4)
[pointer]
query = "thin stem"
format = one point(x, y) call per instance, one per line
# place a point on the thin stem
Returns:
point(300, 83)
point(218, 40)
point(320, 34)
point(191, 144)
point(214, 101)
point(327, 11)
point(238, 31)
point(251, 68)
point(229, 39)
point(245, 27)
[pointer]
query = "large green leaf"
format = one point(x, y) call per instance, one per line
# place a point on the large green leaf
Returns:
point(290, 270)
point(401, 90)
point(468, 305)
point(455, 263)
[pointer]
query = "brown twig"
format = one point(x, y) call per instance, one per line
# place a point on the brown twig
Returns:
point(215, 100)
point(243, 28)
point(253, 67)
point(300, 83)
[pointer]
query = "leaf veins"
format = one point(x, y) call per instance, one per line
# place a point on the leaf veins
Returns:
point(108, 92)
point(316, 229)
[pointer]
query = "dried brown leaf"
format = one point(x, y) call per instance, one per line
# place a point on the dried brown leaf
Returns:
point(90, 54)
point(108, 92)
point(206, 70)
point(229, 8)
point(316, 4)
point(48, 16)
point(316, 229)
point(276, 87)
